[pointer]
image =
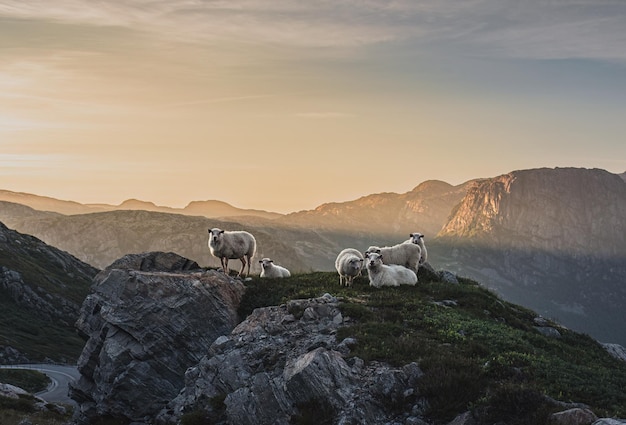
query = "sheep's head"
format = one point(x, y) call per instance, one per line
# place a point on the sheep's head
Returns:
point(266, 262)
point(375, 260)
point(370, 250)
point(355, 263)
point(415, 237)
point(215, 234)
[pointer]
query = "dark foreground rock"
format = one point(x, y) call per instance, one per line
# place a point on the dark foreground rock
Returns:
point(283, 363)
point(144, 328)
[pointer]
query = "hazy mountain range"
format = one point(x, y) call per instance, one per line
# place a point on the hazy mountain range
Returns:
point(550, 239)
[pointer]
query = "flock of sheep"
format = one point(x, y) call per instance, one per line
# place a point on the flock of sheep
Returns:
point(387, 266)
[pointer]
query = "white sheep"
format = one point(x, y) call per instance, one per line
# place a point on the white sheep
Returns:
point(232, 245)
point(418, 239)
point(349, 263)
point(381, 274)
point(407, 255)
point(269, 269)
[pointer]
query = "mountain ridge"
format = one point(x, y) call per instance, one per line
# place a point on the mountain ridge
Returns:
point(210, 208)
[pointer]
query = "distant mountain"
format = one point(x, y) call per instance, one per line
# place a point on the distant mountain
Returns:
point(204, 208)
point(41, 291)
point(550, 239)
point(390, 216)
point(101, 238)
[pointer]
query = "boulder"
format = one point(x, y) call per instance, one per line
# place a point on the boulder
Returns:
point(144, 328)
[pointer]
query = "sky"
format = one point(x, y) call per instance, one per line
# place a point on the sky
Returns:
point(285, 105)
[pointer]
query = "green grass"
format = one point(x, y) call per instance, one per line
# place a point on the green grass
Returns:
point(481, 353)
point(37, 338)
point(28, 380)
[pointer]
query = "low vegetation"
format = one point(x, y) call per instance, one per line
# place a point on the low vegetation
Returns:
point(477, 351)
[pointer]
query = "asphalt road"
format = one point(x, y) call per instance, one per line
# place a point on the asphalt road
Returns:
point(60, 377)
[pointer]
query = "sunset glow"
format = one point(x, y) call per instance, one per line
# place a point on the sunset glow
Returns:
point(283, 105)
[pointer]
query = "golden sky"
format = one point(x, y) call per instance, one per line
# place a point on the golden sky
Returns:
point(283, 105)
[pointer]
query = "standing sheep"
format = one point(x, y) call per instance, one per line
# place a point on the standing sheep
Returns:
point(388, 275)
point(349, 263)
point(232, 245)
point(418, 239)
point(407, 255)
point(269, 269)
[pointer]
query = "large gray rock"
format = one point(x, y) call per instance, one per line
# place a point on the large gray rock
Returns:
point(284, 362)
point(144, 329)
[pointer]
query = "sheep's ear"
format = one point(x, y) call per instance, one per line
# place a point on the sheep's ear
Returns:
point(421, 236)
point(411, 235)
point(260, 261)
point(221, 231)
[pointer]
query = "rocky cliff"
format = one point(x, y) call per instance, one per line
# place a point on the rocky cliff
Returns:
point(566, 210)
point(41, 290)
point(550, 239)
point(149, 318)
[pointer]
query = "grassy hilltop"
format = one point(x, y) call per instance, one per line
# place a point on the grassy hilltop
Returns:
point(477, 351)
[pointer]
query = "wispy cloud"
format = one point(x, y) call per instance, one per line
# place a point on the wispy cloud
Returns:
point(535, 28)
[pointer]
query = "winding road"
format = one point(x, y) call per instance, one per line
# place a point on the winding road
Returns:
point(60, 377)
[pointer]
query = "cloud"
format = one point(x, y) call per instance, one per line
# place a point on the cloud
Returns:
point(530, 29)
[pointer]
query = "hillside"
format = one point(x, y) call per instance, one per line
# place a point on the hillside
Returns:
point(101, 238)
point(550, 239)
point(390, 216)
point(306, 350)
point(41, 290)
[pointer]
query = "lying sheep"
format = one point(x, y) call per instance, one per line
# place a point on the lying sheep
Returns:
point(388, 275)
point(418, 239)
point(349, 263)
point(232, 245)
point(407, 255)
point(269, 269)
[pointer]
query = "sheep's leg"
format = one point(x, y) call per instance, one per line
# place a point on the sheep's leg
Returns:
point(243, 265)
point(225, 265)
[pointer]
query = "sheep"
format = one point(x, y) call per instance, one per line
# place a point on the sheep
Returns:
point(418, 239)
point(407, 255)
point(388, 275)
point(349, 263)
point(269, 269)
point(231, 245)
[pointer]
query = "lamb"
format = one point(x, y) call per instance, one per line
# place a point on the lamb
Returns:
point(388, 275)
point(418, 239)
point(349, 263)
point(231, 245)
point(269, 269)
point(407, 255)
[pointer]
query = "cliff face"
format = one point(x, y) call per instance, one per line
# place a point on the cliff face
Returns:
point(564, 210)
point(550, 239)
point(149, 318)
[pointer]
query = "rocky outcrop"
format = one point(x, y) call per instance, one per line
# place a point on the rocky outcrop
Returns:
point(283, 363)
point(149, 318)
